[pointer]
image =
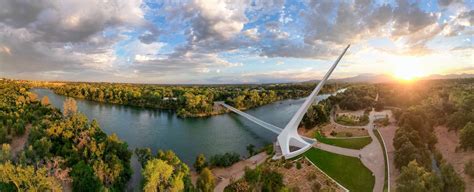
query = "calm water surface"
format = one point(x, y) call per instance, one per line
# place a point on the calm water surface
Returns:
point(162, 129)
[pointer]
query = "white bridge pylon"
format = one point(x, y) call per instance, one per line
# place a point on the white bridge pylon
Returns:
point(288, 137)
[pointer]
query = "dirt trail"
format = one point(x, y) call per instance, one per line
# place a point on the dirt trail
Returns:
point(388, 133)
point(18, 143)
point(236, 171)
point(447, 143)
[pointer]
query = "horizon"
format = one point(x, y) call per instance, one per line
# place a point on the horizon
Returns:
point(243, 42)
point(389, 79)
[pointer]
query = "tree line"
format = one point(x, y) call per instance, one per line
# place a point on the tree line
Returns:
point(421, 107)
point(186, 100)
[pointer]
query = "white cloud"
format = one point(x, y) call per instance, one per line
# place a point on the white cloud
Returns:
point(252, 33)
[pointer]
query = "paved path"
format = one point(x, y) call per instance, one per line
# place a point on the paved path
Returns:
point(337, 150)
point(371, 155)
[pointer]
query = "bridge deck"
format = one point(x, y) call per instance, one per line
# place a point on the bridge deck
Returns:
point(264, 124)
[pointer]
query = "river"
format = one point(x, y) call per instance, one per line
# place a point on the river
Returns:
point(162, 129)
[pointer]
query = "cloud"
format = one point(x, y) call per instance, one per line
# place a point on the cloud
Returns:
point(127, 39)
point(252, 33)
point(69, 21)
point(445, 3)
point(217, 19)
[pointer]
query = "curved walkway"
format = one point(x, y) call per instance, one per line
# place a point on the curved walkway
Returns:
point(373, 158)
point(337, 150)
point(371, 155)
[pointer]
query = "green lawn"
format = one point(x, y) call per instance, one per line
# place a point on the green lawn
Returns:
point(348, 171)
point(379, 137)
point(351, 143)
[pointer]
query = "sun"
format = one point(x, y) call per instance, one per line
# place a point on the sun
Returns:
point(408, 70)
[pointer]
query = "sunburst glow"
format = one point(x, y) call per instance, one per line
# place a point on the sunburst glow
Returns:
point(408, 70)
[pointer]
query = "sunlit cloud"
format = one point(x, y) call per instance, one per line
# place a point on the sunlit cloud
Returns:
point(216, 41)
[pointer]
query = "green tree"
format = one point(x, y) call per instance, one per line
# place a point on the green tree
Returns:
point(42, 147)
point(143, 154)
point(252, 176)
point(251, 149)
point(271, 180)
point(452, 181)
point(200, 163)
point(405, 154)
point(205, 182)
point(415, 178)
point(467, 136)
point(84, 179)
point(469, 168)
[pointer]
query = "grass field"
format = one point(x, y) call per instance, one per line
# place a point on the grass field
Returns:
point(348, 171)
point(351, 143)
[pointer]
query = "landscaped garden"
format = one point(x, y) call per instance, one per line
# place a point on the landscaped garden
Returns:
point(352, 120)
point(351, 143)
point(347, 171)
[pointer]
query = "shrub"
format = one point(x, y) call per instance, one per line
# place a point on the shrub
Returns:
point(311, 176)
point(333, 133)
point(239, 186)
point(316, 186)
point(200, 163)
point(469, 168)
point(269, 149)
point(295, 189)
point(225, 160)
point(288, 165)
point(298, 165)
point(349, 134)
point(271, 180)
point(252, 176)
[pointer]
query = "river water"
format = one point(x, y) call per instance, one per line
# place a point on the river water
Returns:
point(162, 129)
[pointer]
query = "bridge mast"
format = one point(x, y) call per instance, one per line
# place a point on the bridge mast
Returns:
point(289, 137)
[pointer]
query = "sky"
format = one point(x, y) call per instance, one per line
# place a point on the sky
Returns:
point(238, 41)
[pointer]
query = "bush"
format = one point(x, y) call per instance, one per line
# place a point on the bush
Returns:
point(333, 133)
point(239, 186)
point(252, 176)
point(311, 176)
point(224, 160)
point(288, 165)
point(349, 134)
point(298, 165)
point(269, 149)
point(200, 163)
point(316, 186)
point(271, 180)
point(84, 179)
point(469, 168)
